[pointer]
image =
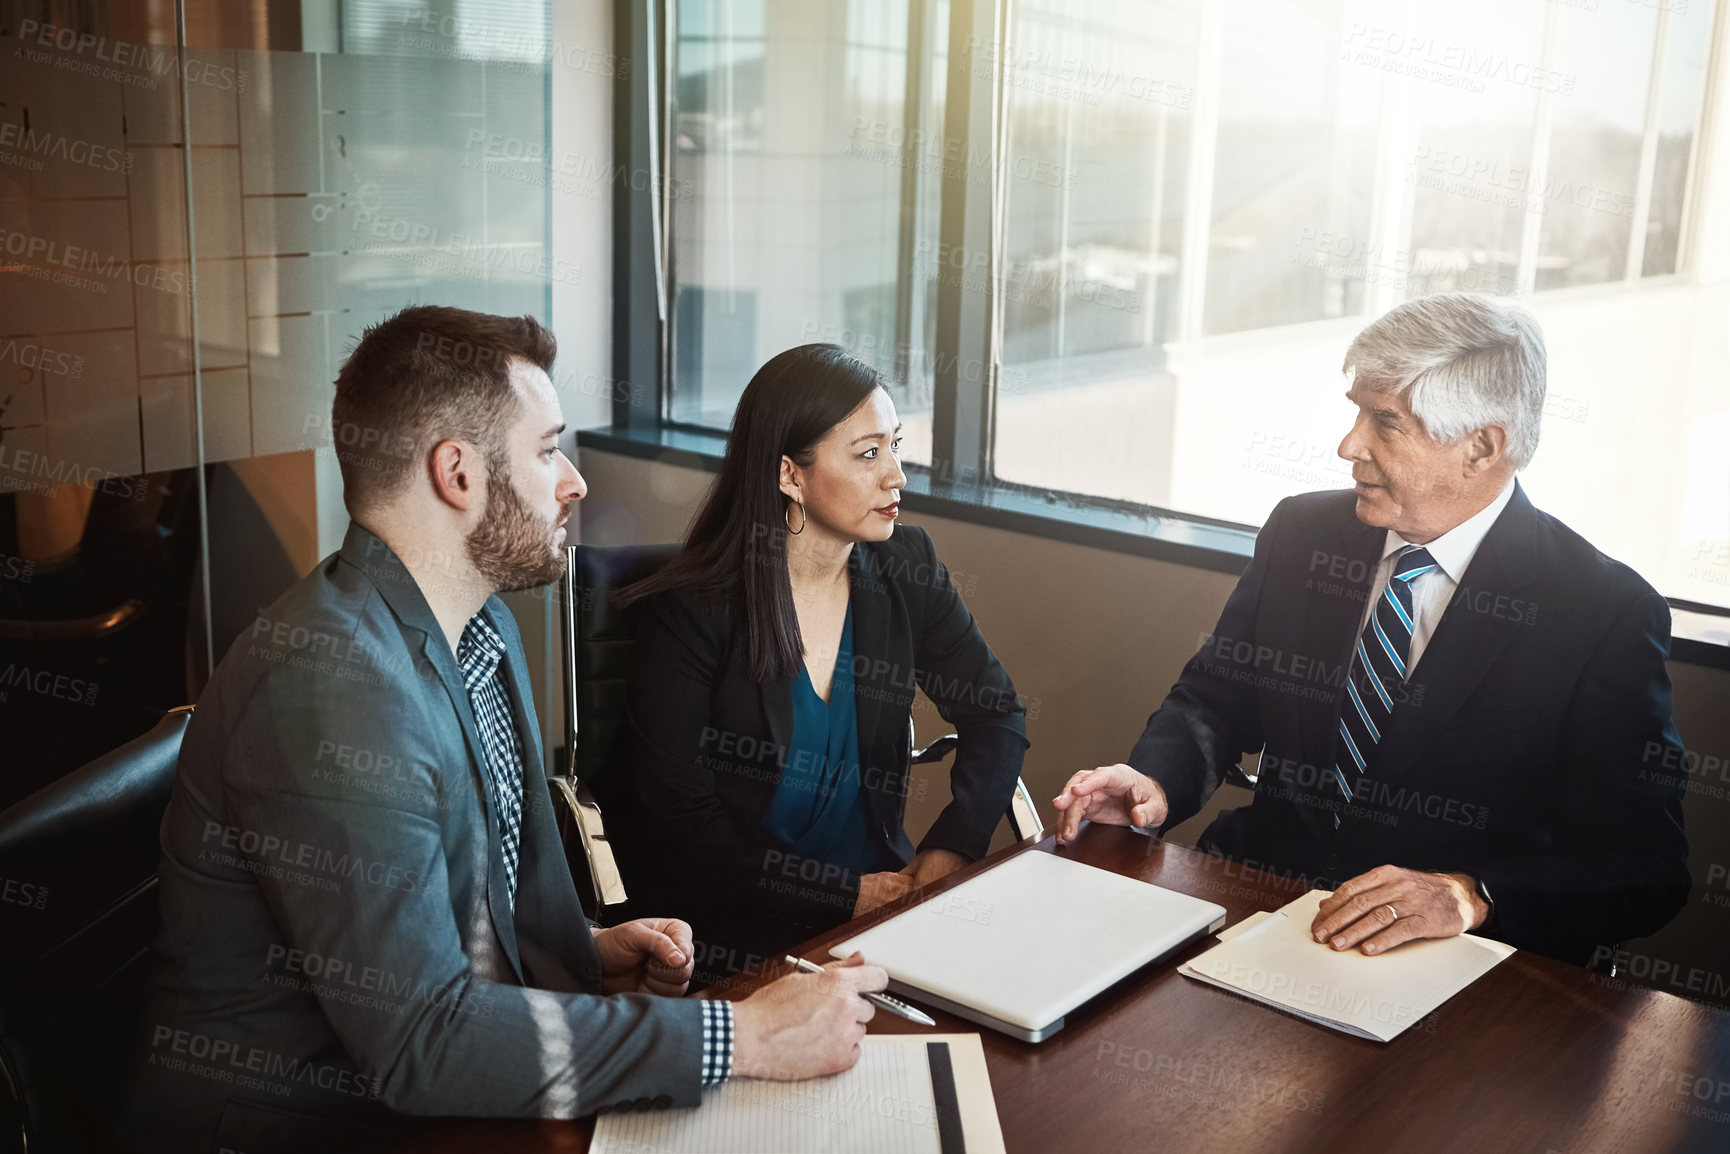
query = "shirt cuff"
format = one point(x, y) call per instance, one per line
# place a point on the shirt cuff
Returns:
point(717, 1042)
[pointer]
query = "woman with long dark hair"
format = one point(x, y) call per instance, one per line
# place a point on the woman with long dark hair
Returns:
point(773, 675)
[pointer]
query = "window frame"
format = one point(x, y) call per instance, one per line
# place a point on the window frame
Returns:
point(961, 480)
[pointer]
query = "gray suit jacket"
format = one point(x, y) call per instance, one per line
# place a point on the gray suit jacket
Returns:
point(338, 947)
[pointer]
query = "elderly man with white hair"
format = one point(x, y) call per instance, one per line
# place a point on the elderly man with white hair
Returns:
point(1461, 707)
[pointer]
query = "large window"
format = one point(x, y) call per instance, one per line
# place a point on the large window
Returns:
point(802, 197)
point(1193, 206)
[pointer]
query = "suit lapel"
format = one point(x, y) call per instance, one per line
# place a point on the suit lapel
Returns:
point(777, 704)
point(548, 910)
point(880, 677)
point(397, 586)
point(498, 903)
point(1466, 642)
point(870, 605)
point(520, 692)
point(1330, 628)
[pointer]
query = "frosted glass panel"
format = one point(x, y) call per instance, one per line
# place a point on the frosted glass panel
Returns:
point(359, 193)
point(93, 288)
point(200, 236)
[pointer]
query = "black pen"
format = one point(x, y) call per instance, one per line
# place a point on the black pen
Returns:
point(893, 1005)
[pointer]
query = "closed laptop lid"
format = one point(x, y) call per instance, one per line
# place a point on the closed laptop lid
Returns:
point(1032, 938)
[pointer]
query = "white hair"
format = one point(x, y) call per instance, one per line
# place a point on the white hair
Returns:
point(1462, 361)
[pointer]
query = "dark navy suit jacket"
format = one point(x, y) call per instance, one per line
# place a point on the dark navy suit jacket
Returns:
point(1528, 748)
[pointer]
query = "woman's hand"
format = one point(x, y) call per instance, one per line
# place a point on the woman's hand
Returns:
point(930, 864)
point(926, 867)
point(880, 889)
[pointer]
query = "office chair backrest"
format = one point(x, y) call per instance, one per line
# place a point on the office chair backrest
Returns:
point(598, 647)
point(78, 865)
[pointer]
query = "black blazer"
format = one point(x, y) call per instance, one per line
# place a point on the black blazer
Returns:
point(1530, 748)
point(706, 745)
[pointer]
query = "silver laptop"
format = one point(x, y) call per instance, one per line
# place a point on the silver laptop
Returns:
point(1023, 944)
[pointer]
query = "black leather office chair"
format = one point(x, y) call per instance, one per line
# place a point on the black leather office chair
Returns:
point(597, 638)
point(78, 910)
point(112, 615)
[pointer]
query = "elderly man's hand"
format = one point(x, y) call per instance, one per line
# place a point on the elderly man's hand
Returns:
point(1113, 795)
point(1387, 906)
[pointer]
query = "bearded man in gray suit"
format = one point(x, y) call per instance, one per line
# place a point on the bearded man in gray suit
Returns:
point(367, 911)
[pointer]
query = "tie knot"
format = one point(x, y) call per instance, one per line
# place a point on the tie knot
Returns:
point(1413, 562)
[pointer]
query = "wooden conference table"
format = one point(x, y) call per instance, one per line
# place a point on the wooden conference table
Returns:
point(1535, 1057)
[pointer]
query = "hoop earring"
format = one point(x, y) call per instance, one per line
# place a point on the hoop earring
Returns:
point(802, 517)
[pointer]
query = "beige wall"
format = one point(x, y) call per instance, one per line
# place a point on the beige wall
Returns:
point(1095, 638)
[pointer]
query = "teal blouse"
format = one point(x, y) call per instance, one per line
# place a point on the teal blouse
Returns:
point(818, 810)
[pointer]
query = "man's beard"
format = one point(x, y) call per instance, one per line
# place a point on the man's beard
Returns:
point(512, 548)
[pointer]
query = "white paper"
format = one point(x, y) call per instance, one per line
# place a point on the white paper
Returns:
point(1249, 923)
point(1278, 962)
point(883, 1105)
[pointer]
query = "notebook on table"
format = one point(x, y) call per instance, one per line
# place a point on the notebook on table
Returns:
point(1018, 947)
point(908, 1094)
point(1273, 959)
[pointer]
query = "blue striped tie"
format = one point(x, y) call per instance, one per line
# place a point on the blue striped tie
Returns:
point(1379, 661)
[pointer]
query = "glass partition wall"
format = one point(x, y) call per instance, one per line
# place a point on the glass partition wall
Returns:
point(202, 204)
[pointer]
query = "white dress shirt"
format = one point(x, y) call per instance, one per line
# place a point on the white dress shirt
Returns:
point(1452, 552)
